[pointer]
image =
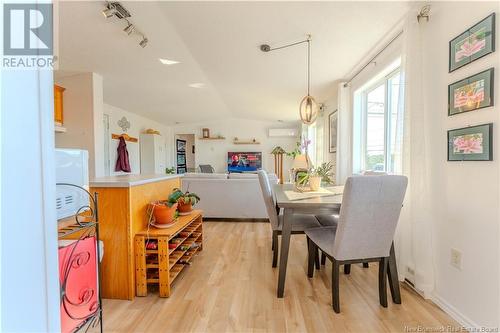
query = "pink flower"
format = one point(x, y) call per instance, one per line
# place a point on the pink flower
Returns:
point(468, 144)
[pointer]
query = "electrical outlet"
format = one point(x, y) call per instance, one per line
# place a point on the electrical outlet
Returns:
point(456, 258)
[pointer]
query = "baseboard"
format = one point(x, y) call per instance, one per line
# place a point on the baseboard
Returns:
point(231, 219)
point(463, 320)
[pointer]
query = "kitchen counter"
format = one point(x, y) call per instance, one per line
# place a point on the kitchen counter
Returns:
point(130, 180)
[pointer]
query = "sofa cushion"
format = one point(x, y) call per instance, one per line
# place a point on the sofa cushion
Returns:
point(205, 175)
point(237, 175)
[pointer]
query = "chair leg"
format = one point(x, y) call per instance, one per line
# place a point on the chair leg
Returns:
point(316, 259)
point(365, 265)
point(382, 281)
point(323, 258)
point(335, 286)
point(311, 257)
point(275, 248)
point(347, 269)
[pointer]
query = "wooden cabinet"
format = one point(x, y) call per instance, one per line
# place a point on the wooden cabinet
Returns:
point(153, 154)
point(58, 105)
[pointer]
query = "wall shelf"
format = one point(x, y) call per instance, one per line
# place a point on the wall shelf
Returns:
point(246, 142)
point(213, 138)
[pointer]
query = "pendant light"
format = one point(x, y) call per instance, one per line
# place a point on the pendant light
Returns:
point(308, 107)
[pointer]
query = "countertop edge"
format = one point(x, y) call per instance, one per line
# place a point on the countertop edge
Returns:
point(113, 183)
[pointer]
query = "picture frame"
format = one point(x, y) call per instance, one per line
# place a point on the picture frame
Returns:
point(181, 146)
point(472, 93)
point(181, 159)
point(472, 44)
point(474, 143)
point(181, 170)
point(332, 132)
point(205, 133)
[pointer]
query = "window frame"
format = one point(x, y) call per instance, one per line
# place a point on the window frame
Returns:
point(383, 81)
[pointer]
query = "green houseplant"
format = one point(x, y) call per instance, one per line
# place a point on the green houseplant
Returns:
point(184, 200)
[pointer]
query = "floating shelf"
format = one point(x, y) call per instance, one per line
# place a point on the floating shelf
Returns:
point(213, 138)
point(251, 142)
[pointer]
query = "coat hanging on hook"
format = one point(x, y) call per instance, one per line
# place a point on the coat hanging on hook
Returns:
point(122, 162)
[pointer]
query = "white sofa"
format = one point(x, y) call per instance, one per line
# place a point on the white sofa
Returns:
point(235, 195)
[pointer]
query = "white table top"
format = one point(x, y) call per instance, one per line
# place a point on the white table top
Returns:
point(129, 180)
point(331, 201)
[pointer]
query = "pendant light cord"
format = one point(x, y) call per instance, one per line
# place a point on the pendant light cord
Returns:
point(308, 64)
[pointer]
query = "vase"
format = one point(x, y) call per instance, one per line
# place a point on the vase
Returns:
point(315, 183)
point(164, 214)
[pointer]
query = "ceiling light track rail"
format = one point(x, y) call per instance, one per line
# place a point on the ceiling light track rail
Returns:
point(118, 10)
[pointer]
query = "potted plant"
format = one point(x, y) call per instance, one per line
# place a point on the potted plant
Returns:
point(185, 201)
point(164, 212)
point(325, 171)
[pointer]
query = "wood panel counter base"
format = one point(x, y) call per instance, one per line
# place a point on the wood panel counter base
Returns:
point(122, 214)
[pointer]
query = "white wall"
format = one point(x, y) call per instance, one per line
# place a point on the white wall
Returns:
point(82, 117)
point(138, 124)
point(214, 152)
point(29, 263)
point(468, 210)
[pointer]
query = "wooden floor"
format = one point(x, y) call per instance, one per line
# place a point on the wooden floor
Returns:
point(231, 287)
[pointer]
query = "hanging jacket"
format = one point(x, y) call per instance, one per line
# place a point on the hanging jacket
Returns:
point(122, 162)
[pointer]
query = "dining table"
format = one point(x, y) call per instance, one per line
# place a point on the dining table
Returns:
point(324, 202)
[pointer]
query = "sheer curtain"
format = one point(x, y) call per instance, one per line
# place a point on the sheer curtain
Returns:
point(344, 134)
point(414, 239)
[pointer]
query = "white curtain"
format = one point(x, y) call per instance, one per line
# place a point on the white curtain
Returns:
point(414, 240)
point(344, 134)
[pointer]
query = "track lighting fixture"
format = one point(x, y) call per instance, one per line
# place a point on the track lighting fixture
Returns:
point(129, 29)
point(109, 11)
point(143, 42)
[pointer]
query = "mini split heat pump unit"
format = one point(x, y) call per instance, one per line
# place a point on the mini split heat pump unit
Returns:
point(283, 132)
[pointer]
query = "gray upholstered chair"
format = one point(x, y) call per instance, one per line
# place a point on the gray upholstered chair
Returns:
point(300, 222)
point(367, 223)
point(206, 168)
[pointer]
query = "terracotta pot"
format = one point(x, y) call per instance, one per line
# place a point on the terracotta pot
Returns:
point(184, 208)
point(164, 214)
point(315, 183)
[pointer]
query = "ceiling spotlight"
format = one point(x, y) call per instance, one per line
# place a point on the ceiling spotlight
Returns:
point(143, 42)
point(168, 62)
point(129, 29)
point(197, 85)
point(109, 11)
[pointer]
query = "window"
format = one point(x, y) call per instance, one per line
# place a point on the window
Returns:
point(378, 127)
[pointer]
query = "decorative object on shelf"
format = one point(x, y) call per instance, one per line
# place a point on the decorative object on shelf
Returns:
point(473, 143)
point(59, 106)
point(79, 268)
point(125, 137)
point(152, 131)
point(164, 213)
point(474, 43)
point(185, 201)
point(424, 13)
point(205, 133)
point(308, 108)
point(332, 131)
point(253, 141)
point(124, 124)
point(472, 93)
point(170, 171)
point(278, 162)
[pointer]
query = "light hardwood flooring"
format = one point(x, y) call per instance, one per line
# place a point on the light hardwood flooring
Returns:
point(231, 287)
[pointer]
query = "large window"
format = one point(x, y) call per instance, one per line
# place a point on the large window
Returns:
point(379, 127)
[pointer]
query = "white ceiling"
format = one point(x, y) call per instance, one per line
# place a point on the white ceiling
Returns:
point(217, 44)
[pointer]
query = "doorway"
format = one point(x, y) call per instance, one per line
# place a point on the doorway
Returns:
point(185, 153)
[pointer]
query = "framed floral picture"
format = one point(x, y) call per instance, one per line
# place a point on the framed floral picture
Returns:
point(472, 93)
point(472, 44)
point(473, 143)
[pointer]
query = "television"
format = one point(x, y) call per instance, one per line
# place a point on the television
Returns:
point(244, 161)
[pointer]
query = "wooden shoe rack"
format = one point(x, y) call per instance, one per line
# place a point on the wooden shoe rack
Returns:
point(158, 261)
